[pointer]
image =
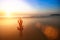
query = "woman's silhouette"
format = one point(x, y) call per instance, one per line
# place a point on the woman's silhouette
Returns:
point(20, 22)
point(20, 28)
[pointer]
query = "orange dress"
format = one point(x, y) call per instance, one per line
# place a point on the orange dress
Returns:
point(20, 21)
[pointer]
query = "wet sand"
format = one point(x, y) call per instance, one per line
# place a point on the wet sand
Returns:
point(34, 29)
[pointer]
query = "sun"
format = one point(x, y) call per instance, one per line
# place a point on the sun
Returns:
point(8, 15)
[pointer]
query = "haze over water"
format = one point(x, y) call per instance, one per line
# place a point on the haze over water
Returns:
point(33, 28)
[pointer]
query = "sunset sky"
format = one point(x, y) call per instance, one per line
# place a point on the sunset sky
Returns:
point(8, 7)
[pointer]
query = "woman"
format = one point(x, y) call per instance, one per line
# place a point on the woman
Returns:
point(20, 22)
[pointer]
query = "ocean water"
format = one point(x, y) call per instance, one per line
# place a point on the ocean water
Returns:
point(33, 29)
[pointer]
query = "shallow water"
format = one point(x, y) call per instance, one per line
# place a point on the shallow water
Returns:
point(33, 28)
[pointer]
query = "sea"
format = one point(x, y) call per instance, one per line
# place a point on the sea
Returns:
point(43, 28)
